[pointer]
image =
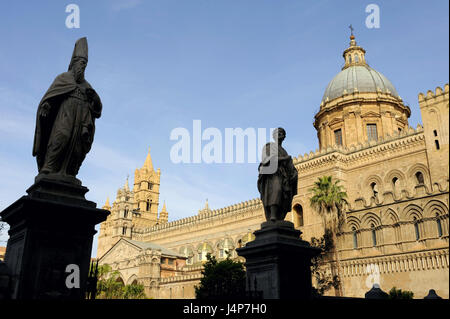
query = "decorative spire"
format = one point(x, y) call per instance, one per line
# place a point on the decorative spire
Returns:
point(206, 209)
point(106, 206)
point(163, 214)
point(126, 187)
point(354, 54)
point(148, 161)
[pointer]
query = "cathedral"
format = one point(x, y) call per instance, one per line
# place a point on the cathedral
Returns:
point(396, 213)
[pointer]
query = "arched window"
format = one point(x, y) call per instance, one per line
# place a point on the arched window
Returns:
point(125, 213)
point(124, 230)
point(350, 59)
point(298, 215)
point(356, 58)
point(419, 178)
point(374, 235)
point(439, 225)
point(374, 189)
point(394, 183)
point(416, 228)
point(150, 185)
point(355, 238)
point(149, 204)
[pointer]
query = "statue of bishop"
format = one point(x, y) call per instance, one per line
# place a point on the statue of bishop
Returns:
point(65, 121)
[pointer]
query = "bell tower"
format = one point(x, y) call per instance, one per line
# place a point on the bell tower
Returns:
point(146, 193)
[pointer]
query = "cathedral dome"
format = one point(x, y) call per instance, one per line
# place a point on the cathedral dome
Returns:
point(360, 78)
point(359, 104)
point(357, 76)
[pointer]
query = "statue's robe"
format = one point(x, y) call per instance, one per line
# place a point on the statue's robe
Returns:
point(280, 187)
point(64, 137)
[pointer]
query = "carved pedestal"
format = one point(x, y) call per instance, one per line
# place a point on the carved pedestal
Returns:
point(50, 228)
point(278, 262)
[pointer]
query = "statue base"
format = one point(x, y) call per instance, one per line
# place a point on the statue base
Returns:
point(278, 262)
point(51, 228)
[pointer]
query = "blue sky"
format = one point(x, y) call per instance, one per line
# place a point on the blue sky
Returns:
point(158, 65)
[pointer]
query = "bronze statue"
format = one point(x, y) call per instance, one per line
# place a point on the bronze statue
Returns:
point(277, 179)
point(65, 122)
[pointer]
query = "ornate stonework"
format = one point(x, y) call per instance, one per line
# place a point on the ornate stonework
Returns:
point(396, 229)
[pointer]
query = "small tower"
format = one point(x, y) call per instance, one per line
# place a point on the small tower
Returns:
point(435, 117)
point(354, 54)
point(122, 213)
point(146, 193)
point(163, 215)
point(205, 210)
point(105, 233)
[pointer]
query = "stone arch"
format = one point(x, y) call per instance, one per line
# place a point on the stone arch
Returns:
point(418, 167)
point(390, 217)
point(370, 218)
point(133, 280)
point(353, 221)
point(411, 211)
point(395, 174)
point(120, 279)
point(298, 215)
point(393, 233)
point(434, 207)
point(368, 188)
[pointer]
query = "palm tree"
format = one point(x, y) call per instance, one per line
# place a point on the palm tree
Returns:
point(328, 199)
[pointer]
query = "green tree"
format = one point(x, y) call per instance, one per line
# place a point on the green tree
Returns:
point(109, 286)
point(395, 293)
point(134, 291)
point(324, 281)
point(224, 279)
point(328, 199)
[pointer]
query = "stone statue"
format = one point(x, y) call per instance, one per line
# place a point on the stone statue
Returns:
point(277, 179)
point(65, 121)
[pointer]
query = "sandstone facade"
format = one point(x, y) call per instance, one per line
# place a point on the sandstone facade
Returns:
point(396, 177)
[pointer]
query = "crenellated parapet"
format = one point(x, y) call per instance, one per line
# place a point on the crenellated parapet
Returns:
point(431, 97)
point(182, 278)
point(239, 208)
point(354, 152)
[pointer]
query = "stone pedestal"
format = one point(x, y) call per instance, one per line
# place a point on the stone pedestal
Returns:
point(50, 228)
point(278, 262)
